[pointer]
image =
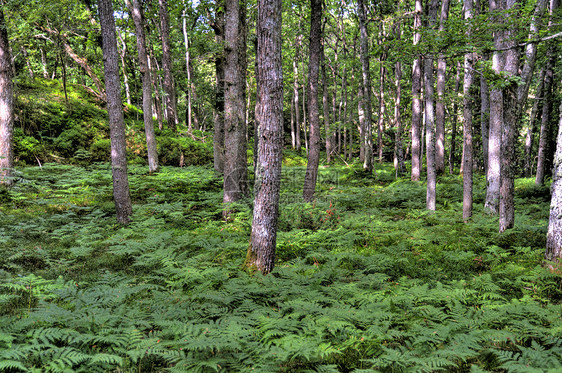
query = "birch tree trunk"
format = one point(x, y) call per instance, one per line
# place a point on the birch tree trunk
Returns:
point(553, 251)
point(121, 194)
point(484, 120)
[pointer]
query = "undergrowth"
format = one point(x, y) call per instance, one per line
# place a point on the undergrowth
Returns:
point(366, 279)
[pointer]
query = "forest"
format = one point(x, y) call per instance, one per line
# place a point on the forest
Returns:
point(280, 186)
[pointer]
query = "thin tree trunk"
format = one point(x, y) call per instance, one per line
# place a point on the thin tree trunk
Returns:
point(169, 86)
point(121, 194)
point(467, 122)
point(440, 105)
point(218, 138)
point(7, 105)
point(545, 118)
point(123, 56)
point(382, 110)
point(295, 134)
point(156, 83)
point(235, 164)
point(416, 97)
point(366, 74)
point(315, 50)
point(484, 120)
point(136, 13)
point(44, 64)
point(452, 153)
point(261, 253)
point(326, 108)
point(189, 109)
point(535, 113)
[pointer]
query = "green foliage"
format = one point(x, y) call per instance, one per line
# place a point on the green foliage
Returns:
point(365, 280)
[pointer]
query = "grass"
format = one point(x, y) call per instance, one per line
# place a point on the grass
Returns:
point(366, 279)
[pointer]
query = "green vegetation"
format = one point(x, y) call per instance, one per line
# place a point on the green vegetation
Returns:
point(366, 279)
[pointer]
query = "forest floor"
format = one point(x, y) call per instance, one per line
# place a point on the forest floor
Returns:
point(366, 279)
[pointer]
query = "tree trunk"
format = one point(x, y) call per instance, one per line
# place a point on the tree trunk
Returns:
point(416, 97)
point(44, 64)
point(235, 163)
point(169, 87)
point(440, 105)
point(261, 253)
point(121, 194)
point(136, 13)
point(554, 236)
point(7, 105)
point(467, 122)
point(218, 139)
point(508, 136)
point(545, 118)
point(364, 56)
point(295, 135)
point(123, 56)
point(430, 118)
point(452, 153)
point(326, 108)
point(535, 114)
point(496, 121)
point(315, 49)
point(484, 120)
point(382, 110)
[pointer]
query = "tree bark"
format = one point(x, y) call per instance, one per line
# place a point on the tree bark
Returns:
point(218, 139)
point(235, 164)
point(440, 105)
point(123, 55)
point(545, 118)
point(315, 49)
point(554, 236)
point(467, 122)
point(366, 74)
point(169, 86)
point(7, 105)
point(484, 120)
point(416, 97)
point(430, 118)
point(121, 194)
point(295, 132)
point(261, 253)
point(535, 114)
point(137, 16)
point(496, 121)
point(326, 108)
point(508, 136)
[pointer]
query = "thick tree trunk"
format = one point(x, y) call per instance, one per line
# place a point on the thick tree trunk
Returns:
point(136, 13)
point(430, 118)
point(440, 105)
point(315, 49)
point(496, 121)
point(7, 105)
point(366, 74)
point(218, 138)
point(535, 114)
point(467, 122)
point(545, 118)
point(115, 111)
point(169, 86)
point(235, 164)
point(416, 97)
point(508, 137)
point(554, 236)
point(261, 253)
